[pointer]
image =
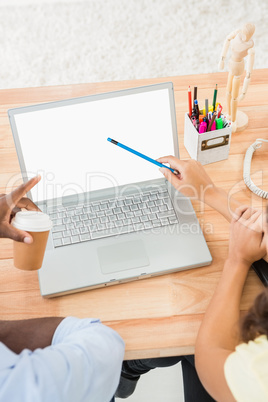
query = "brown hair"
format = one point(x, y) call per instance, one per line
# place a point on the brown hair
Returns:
point(255, 323)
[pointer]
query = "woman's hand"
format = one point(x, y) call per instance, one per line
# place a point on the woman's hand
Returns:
point(247, 241)
point(191, 180)
point(10, 204)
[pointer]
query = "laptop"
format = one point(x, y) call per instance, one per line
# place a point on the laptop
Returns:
point(115, 217)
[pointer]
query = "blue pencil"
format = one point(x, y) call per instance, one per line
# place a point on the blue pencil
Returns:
point(139, 154)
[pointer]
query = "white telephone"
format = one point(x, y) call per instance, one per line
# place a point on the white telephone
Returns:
point(247, 164)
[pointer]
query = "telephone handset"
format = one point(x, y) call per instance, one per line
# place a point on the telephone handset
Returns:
point(247, 164)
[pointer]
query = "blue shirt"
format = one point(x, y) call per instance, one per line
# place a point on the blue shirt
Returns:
point(83, 363)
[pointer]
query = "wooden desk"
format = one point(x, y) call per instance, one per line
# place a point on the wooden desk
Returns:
point(159, 316)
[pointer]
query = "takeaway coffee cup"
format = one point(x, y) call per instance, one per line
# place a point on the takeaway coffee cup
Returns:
point(30, 256)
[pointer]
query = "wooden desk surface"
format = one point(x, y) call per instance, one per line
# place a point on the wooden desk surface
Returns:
point(158, 316)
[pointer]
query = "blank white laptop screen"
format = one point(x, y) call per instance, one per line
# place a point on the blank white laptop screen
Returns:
point(68, 145)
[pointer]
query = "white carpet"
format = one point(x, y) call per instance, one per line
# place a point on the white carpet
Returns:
point(48, 42)
point(62, 42)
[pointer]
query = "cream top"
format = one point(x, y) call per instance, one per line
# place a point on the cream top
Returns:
point(246, 371)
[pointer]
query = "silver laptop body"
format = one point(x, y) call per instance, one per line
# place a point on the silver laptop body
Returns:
point(115, 218)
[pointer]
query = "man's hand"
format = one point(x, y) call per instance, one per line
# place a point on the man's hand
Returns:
point(10, 204)
point(247, 241)
point(191, 180)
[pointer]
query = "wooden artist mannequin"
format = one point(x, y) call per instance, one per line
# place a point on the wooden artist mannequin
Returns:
point(241, 46)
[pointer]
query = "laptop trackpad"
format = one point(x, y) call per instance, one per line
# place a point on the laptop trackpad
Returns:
point(122, 256)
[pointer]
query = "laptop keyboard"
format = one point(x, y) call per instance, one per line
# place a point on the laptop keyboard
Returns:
point(112, 217)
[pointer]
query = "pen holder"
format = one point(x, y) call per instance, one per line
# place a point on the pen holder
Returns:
point(209, 147)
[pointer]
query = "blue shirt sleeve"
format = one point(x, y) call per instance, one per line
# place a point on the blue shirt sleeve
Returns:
point(82, 364)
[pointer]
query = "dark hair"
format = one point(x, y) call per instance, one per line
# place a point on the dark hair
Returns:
point(255, 323)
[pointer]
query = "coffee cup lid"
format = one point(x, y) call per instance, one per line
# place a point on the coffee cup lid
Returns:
point(32, 221)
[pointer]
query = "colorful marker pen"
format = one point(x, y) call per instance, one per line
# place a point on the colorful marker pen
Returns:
point(202, 127)
point(196, 108)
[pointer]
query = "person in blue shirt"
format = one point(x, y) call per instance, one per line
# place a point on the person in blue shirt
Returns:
point(54, 358)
